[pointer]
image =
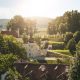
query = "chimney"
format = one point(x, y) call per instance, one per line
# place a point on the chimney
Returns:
point(18, 32)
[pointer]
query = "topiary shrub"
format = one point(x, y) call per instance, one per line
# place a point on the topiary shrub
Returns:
point(77, 36)
point(74, 72)
point(68, 36)
point(71, 46)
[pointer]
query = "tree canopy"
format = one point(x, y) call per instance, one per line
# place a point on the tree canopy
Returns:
point(17, 22)
point(9, 45)
point(27, 26)
point(69, 22)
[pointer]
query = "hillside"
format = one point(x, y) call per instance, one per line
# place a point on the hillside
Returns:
point(42, 22)
point(3, 23)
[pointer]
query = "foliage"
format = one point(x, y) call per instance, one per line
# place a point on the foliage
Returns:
point(57, 45)
point(13, 74)
point(30, 27)
point(51, 28)
point(69, 22)
point(10, 45)
point(62, 28)
point(72, 46)
point(6, 61)
point(74, 72)
point(78, 46)
point(19, 23)
point(77, 36)
point(25, 38)
point(3, 46)
point(6, 65)
point(16, 23)
point(68, 36)
point(38, 40)
point(72, 20)
point(46, 45)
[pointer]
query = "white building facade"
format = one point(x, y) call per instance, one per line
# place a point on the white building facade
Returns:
point(33, 50)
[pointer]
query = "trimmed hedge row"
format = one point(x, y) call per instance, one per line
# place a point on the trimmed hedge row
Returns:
point(57, 45)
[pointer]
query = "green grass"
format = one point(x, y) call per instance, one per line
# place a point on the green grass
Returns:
point(67, 52)
point(61, 53)
point(53, 42)
point(51, 61)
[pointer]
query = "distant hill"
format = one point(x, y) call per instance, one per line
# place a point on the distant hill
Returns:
point(3, 23)
point(42, 22)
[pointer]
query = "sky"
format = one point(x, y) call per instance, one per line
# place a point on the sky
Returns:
point(39, 8)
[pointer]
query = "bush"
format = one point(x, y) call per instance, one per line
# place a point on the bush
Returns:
point(57, 45)
point(68, 36)
point(72, 46)
point(9, 45)
point(74, 72)
point(38, 40)
point(77, 36)
point(25, 39)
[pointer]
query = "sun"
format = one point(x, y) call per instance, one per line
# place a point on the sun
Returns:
point(34, 8)
point(40, 8)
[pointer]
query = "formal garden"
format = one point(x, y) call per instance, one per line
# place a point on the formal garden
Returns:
point(63, 37)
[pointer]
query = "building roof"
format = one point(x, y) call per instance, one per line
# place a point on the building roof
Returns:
point(38, 71)
point(13, 33)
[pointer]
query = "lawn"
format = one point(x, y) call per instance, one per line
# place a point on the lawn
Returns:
point(66, 52)
point(61, 53)
point(53, 42)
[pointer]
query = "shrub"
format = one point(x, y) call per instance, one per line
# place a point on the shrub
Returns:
point(57, 45)
point(74, 72)
point(72, 46)
point(25, 39)
point(38, 40)
point(68, 36)
point(6, 61)
point(9, 45)
point(77, 36)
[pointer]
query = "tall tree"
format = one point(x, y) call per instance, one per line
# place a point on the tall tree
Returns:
point(17, 22)
point(69, 22)
point(72, 20)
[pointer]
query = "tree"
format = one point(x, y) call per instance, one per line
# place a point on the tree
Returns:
point(69, 22)
point(17, 22)
point(62, 28)
point(51, 28)
point(72, 19)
